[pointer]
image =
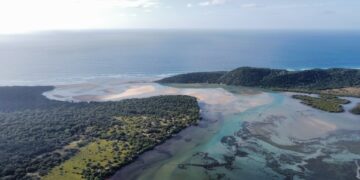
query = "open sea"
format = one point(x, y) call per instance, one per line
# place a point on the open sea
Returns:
point(56, 57)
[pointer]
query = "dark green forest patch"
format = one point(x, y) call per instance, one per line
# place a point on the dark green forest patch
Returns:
point(38, 134)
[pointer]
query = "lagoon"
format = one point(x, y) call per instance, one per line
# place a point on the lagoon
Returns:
point(245, 132)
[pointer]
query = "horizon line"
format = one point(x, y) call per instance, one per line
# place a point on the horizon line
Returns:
point(181, 29)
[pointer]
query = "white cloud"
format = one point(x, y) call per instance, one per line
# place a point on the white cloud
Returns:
point(212, 2)
point(123, 3)
point(250, 5)
point(35, 15)
point(289, 6)
point(189, 5)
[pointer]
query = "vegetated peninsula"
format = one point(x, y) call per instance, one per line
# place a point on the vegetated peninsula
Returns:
point(314, 80)
point(47, 139)
point(335, 81)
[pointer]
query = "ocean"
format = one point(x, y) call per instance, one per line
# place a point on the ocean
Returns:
point(57, 57)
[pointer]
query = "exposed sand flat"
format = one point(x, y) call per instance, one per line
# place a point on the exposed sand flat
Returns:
point(219, 98)
point(210, 96)
point(215, 96)
point(131, 92)
point(292, 124)
point(171, 90)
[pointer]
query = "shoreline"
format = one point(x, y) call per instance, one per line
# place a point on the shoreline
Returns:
point(149, 77)
point(196, 89)
point(149, 150)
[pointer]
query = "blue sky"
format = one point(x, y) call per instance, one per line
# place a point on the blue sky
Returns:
point(17, 16)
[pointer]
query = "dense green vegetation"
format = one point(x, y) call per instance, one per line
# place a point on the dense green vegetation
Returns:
point(327, 103)
point(246, 76)
point(197, 77)
point(38, 136)
point(307, 80)
point(356, 109)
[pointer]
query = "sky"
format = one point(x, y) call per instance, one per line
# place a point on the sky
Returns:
point(22, 16)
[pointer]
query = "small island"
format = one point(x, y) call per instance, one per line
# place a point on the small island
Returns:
point(47, 139)
point(327, 103)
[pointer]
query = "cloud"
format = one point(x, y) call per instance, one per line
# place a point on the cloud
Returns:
point(288, 6)
point(40, 15)
point(212, 2)
point(281, 6)
point(189, 5)
point(250, 5)
point(125, 3)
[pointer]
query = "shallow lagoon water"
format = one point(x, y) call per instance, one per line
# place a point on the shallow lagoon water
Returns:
point(245, 133)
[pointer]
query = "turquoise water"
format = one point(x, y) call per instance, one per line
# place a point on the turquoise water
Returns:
point(47, 58)
point(246, 168)
point(244, 132)
point(265, 158)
